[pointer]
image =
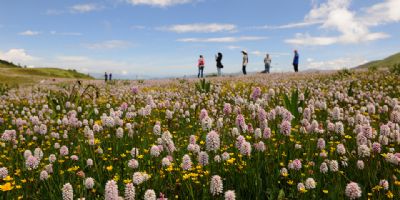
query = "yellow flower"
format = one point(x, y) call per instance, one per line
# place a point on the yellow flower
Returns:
point(302, 190)
point(397, 183)
point(231, 160)
point(96, 141)
point(290, 182)
point(72, 169)
point(347, 137)
point(8, 178)
point(202, 142)
point(325, 191)
point(186, 176)
point(389, 195)
point(123, 155)
point(109, 168)
point(140, 156)
point(170, 168)
point(6, 187)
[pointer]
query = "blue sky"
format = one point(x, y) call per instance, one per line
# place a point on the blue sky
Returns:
point(165, 37)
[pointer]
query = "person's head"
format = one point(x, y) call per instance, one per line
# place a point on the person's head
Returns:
point(267, 55)
point(201, 56)
point(244, 52)
point(295, 51)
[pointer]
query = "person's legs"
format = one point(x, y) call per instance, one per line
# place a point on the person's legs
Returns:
point(219, 71)
point(267, 68)
point(198, 74)
point(296, 67)
point(202, 71)
point(244, 69)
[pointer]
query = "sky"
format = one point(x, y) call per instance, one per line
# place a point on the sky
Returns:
point(159, 38)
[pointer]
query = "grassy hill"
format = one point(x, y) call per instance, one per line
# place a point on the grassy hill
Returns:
point(385, 63)
point(14, 74)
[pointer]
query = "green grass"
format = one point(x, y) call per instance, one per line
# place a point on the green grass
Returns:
point(385, 63)
point(13, 74)
point(6, 64)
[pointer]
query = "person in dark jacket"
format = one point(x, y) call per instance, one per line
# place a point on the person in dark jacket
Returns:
point(296, 61)
point(105, 76)
point(110, 77)
point(218, 58)
point(245, 61)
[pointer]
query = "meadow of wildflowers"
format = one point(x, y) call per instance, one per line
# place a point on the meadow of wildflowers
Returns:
point(280, 136)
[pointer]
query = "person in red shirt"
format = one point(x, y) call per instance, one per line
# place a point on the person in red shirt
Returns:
point(201, 67)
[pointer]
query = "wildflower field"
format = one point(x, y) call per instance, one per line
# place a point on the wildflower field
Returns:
point(282, 136)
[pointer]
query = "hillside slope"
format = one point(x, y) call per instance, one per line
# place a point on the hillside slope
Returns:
point(11, 73)
point(385, 63)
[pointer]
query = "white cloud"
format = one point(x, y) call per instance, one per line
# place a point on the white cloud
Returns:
point(65, 33)
point(84, 8)
point(291, 25)
point(381, 13)
point(29, 33)
point(138, 27)
point(54, 12)
point(110, 44)
point(200, 28)
point(258, 53)
point(336, 16)
point(158, 3)
point(91, 65)
point(336, 64)
point(18, 56)
point(233, 47)
point(223, 39)
point(305, 40)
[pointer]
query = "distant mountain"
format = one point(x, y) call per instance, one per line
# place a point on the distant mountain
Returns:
point(385, 63)
point(12, 73)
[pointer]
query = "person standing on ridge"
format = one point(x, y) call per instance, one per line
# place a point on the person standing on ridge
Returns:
point(267, 62)
point(245, 61)
point(296, 61)
point(218, 58)
point(110, 77)
point(201, 65)
point(105, 76)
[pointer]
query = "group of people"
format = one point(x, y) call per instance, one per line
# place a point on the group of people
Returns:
point(267, 63)
point(107, 77)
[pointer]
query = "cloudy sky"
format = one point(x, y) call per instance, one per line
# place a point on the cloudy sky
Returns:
point(165, 37)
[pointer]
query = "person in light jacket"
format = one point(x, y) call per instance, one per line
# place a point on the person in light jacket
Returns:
point(267, 63)
point(245, 61)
